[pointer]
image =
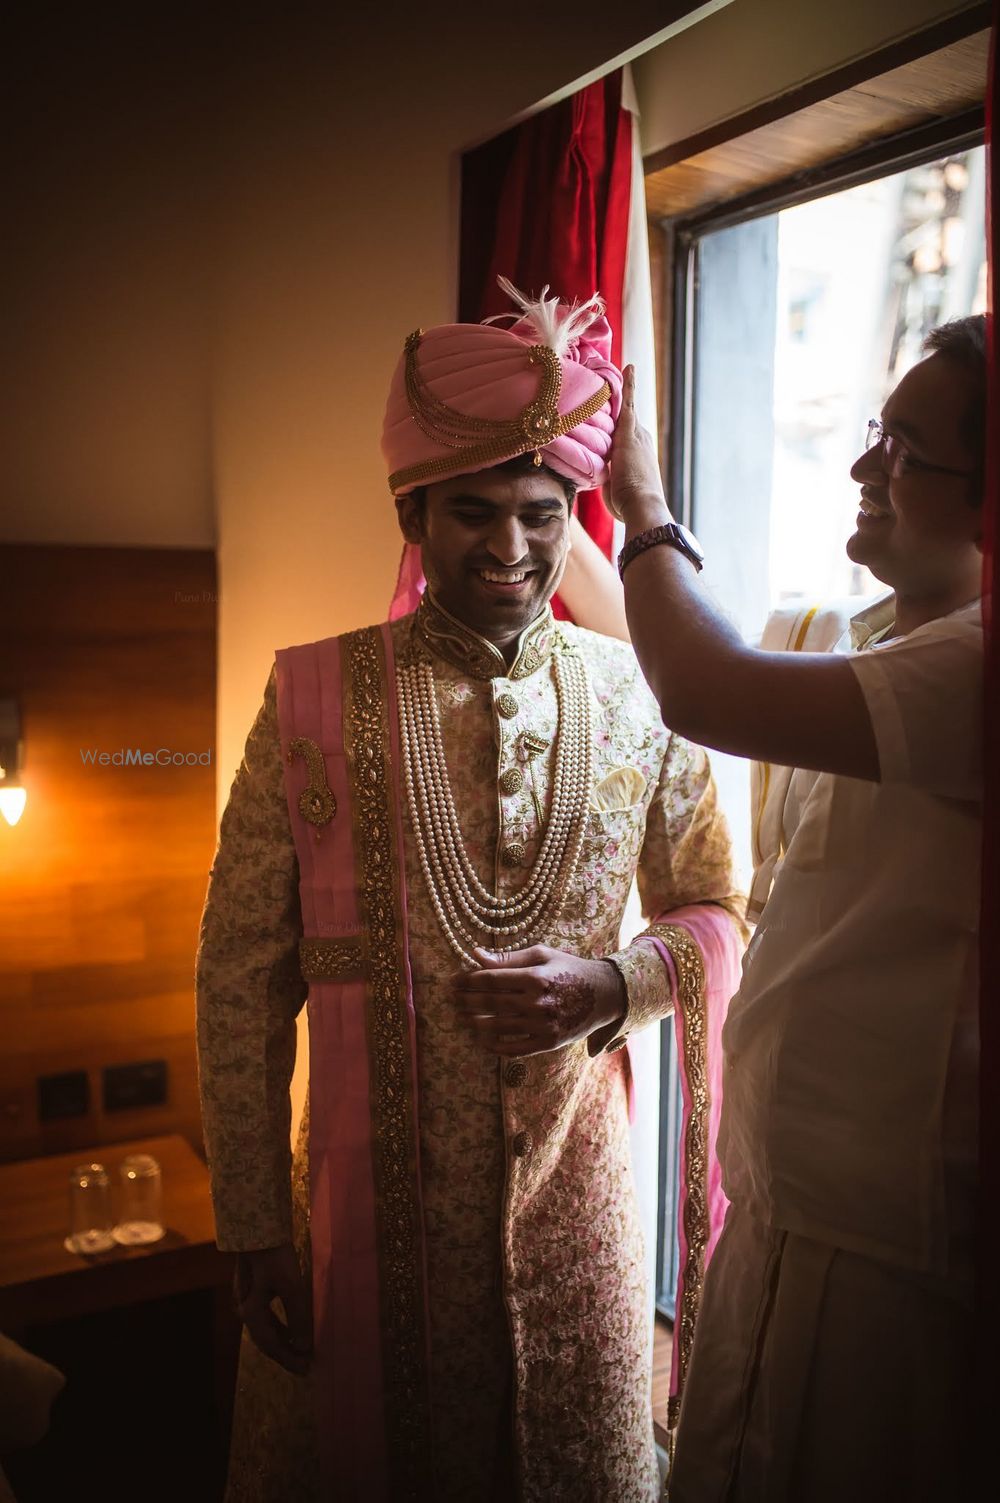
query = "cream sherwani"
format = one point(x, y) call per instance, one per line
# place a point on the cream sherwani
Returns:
point(540, 1363)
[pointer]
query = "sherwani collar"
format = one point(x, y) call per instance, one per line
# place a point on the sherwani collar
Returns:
point(447, 637)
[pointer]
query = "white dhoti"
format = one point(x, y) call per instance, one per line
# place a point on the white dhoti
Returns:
point(818, 1376)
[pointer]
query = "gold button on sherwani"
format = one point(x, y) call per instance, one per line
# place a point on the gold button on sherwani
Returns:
point(512, 781)
point(507, 706)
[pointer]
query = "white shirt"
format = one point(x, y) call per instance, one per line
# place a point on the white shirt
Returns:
point(852, 1044)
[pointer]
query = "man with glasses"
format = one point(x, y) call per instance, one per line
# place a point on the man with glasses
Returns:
point(833, 1355)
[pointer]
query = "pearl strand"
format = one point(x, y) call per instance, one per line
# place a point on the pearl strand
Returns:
point(444, 861)
point(443, 820)
point(525, 906)
point(481, 921)
point(574, 731)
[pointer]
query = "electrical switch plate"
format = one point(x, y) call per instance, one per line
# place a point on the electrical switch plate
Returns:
point(66, 1095)
point(129, 1087)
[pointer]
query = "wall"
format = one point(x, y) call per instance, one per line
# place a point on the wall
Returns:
point(105, 147)
point(755, 50)
point(103, 878)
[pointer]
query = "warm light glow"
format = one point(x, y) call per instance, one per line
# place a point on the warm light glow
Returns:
point(12, 804)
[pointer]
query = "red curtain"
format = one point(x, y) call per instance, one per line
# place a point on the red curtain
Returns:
point(989, 1010)
point(549, 202)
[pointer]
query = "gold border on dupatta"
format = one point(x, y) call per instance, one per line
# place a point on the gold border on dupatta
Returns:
point(690, 968)
point(402, 1300)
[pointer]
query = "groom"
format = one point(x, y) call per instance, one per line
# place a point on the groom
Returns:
point(434, 832)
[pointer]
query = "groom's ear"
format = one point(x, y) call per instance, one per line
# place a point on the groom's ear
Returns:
point(410, 513)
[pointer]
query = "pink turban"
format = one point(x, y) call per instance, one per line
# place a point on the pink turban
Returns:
point(465, 397)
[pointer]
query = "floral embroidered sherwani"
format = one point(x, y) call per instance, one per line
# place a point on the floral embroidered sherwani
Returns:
point(539, 1351)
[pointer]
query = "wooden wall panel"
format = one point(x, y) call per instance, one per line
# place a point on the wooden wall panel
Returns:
point(102, 881)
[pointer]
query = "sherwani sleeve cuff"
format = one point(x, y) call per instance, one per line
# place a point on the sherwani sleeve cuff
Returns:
point(255, 1229)
point(649, 989)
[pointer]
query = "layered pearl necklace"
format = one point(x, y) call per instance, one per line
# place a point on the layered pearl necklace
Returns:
point(469, 914)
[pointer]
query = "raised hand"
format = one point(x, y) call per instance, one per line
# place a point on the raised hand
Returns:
point(261, 1278)
point(635, 470)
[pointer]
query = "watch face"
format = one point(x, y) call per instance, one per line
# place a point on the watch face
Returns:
point(691, 543)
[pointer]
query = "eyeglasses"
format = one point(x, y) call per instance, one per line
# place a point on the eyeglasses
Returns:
point(897, 459)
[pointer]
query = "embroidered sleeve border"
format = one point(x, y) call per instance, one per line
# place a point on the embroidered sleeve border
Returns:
point(690, 969)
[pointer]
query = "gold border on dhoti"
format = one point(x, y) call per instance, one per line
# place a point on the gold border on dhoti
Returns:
point(402, 1301)
point(690, 968)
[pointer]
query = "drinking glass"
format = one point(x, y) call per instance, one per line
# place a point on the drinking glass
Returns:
point(140, 1218)
point(89, 1210)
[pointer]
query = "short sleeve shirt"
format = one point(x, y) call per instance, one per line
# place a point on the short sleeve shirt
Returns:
point(924, 696)
point(851, 1046)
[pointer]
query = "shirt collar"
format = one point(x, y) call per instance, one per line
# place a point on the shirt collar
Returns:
point(871, 624)
point(447, 637)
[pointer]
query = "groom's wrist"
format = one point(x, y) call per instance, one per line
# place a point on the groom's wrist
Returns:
point(615, 1011)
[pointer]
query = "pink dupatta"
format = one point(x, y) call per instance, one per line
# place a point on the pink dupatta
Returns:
point(339, 734)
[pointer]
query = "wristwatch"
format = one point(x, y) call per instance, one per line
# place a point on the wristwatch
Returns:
point(671, 533)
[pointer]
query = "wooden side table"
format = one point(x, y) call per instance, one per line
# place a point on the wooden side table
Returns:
point(40, 1281)
point(147, 1336)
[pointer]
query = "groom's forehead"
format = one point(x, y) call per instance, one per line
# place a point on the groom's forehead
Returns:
point(492, 490)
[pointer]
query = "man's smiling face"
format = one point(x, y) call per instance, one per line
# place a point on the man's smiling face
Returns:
point(494, 546)
point(919, 523)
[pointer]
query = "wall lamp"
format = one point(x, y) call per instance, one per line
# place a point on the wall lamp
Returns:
point(12, 795)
